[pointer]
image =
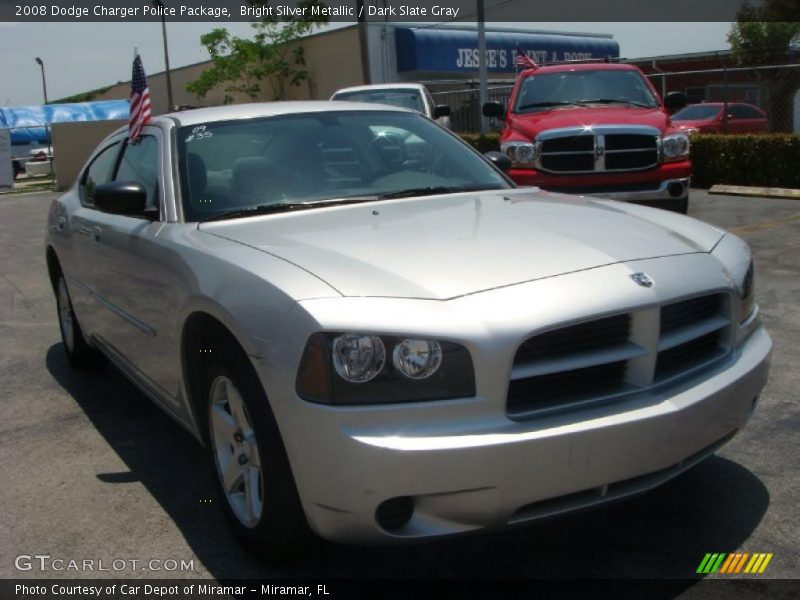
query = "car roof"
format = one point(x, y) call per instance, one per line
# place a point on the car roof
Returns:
point(233, 112)
point(382, 86)
point(588, 66)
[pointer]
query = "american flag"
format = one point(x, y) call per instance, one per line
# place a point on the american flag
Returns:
point(140, 100)
point(523, 61)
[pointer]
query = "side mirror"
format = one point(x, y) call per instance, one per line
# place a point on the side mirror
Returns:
point(441, 110)
point(121, 198)
point(494, 110)
point(674, 101)
point(499, 160)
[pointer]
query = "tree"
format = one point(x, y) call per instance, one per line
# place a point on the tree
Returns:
point(764, 35)
point(241, 65)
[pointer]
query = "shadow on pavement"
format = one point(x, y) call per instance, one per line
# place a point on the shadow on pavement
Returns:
point(664, 534)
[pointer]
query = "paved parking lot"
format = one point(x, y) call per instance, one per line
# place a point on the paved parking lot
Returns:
point(92, 470)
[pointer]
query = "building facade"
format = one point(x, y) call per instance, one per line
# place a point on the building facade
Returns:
point(389, 52)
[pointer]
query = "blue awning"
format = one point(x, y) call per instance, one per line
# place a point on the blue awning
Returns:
point(438, 50)
point(27, 122)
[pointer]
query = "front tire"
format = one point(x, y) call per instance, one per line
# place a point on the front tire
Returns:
point(683, 206)
point(79, 354)
point(252, 473)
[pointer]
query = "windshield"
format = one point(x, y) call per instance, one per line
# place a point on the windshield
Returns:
point(404, 98)
point(698, 112)
point(544, 90)
point(299, 161)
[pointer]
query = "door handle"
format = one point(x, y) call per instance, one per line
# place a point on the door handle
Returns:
point(96, 231)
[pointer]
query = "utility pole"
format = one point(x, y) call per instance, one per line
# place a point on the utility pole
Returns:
point(483, 92)
point(44, 82)
point(160, 5)
point(363, 42)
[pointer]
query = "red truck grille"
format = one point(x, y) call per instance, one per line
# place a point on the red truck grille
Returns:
point(601, 149)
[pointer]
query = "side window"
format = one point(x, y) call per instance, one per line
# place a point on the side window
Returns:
point(99, 172)
point(740, 111)
point(140, 164)
point(748, 112)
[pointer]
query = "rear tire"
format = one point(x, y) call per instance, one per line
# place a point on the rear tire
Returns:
point(251, 470)
point(79, 354)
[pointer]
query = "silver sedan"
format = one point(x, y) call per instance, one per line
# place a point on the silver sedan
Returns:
point(378, 338)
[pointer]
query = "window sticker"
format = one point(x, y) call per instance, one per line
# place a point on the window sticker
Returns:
point(199, 133)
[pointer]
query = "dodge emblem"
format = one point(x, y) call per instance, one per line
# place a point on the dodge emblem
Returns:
point(643, 279)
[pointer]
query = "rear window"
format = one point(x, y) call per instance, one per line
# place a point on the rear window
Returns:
point(403, 98)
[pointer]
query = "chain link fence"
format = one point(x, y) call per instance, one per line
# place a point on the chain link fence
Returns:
point(727, 98)
point(734, 99)
point(465, 104)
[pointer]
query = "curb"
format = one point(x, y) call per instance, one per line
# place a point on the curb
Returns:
point(767, 192)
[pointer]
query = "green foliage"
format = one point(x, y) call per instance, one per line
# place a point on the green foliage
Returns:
point(482, 142)
point(762, 36)
point(761, 42)
point(240, 65)
point(770, 160)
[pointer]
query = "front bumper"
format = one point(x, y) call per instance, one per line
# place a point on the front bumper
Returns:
point(669, 183)
point(476, 474)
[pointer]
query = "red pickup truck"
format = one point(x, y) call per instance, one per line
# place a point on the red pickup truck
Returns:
point(598, 129)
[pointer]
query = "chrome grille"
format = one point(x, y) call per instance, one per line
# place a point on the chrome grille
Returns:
point(599, 149)
point(611, 357)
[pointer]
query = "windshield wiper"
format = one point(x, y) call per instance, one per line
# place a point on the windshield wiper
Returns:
point(613, 101)
point(265, 209)
point(546, 104)
point(431, 190)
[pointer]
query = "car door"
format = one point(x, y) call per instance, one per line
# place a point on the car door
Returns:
point(754, 120)
point(744, 119)
point(79, 255)
point(134, 277)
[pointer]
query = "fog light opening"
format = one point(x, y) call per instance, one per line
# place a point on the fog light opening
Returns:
point(675, 189)
point(395, 513)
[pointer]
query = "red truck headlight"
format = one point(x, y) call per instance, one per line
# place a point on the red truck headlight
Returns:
point(675, 146)
point(522, 154)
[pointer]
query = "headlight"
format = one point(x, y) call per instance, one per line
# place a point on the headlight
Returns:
point(358, 358)
point(417, 359)
point(522, 154)
point(675, 146)
point(352, 368)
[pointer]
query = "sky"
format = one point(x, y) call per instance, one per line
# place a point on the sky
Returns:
point(82, 56)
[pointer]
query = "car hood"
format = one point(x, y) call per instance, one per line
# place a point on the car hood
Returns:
point(445, 246)
point(531, 124)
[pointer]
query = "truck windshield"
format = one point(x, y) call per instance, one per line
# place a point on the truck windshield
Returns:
point(541, 91)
